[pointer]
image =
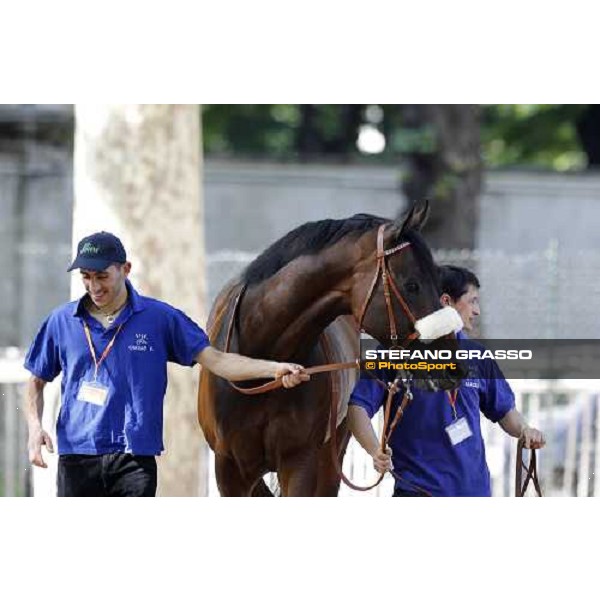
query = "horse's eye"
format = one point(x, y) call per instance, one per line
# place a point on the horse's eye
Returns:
point(412, 287)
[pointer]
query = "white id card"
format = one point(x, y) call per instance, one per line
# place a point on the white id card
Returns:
point(93, 392)
point(459, 431)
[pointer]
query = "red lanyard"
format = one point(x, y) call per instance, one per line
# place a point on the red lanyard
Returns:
point(106, 352)
point(452, 397)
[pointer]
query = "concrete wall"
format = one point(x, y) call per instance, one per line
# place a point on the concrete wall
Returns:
point(9, 233)
point(539, 255)
point(36, 201)
point(522, 212)
point(538, 243)
point(249, 206)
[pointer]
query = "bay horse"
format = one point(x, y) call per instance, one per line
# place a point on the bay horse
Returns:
point(302, 301)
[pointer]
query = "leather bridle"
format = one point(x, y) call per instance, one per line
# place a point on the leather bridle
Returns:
point(389, 284)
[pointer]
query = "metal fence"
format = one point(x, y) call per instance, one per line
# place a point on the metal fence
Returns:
point(547, 294)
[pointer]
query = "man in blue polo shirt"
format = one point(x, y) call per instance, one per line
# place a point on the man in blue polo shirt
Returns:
point(437, 448)
point(112, 347)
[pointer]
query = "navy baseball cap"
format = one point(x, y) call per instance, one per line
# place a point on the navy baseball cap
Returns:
point(98, 251)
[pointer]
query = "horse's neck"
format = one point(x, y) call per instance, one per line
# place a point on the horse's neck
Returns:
point(290, 310)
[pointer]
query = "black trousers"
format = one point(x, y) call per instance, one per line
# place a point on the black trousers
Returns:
point(106, 475)
point(406, 494)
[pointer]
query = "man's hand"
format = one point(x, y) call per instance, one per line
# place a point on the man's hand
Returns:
point(533, 439)
point(291, 374)
point(38, 439)
point(382, 461)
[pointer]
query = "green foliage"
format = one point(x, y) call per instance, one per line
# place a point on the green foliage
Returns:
point(533, 135)
point(280, 131)
point(524, 135)
point(407, 140)
point(266, 130)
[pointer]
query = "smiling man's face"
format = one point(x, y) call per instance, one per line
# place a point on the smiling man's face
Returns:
point(104, 287)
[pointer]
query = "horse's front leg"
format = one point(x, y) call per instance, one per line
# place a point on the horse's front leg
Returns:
point(231, 480)
point(329, 479)
point(298, 474)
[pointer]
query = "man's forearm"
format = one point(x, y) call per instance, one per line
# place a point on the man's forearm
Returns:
point(361, 427)
point(239, 368)
point(235, 367)
point(34, 403)
point(513, 423)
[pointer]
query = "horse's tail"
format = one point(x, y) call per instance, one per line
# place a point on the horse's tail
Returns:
point(339, 343)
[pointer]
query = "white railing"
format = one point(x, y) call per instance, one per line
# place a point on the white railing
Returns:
point(568, 412)
point(15, 474)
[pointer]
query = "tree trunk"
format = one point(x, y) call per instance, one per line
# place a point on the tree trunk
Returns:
point(448, 173)
point(308, 142)
point(588, 128)
point(137, 174)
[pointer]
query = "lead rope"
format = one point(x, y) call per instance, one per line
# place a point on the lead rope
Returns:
point(408, 397)
point(386, 434)
point(530, 469)
point(383, 443)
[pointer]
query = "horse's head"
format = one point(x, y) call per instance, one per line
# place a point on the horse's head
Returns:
point(398, 290)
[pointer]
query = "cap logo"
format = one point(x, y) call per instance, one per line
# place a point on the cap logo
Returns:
point(89, 249)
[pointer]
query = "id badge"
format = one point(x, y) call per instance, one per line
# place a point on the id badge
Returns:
point(459, 431)
point(93, 392)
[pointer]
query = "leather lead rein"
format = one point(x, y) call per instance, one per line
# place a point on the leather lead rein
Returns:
point(530, 470)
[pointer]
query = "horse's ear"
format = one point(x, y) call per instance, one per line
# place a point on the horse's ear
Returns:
point(416, 217)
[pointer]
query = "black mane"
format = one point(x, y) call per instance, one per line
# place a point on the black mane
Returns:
point(316, 236)
point(309, 238)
